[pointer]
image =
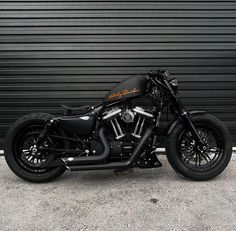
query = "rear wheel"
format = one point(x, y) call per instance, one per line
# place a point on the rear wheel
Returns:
point(188, 159)
point(22, 155)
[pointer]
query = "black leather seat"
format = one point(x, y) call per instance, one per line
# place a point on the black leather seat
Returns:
point(76, 110)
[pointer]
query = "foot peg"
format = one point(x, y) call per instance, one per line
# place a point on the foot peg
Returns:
point(148, 161)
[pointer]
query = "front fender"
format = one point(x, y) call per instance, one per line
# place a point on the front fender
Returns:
point(176, 121)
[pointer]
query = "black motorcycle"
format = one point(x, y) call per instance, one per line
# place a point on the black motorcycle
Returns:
point(120, 133)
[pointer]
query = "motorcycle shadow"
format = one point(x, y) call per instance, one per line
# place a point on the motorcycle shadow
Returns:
point(113, 177)
point(131, 174)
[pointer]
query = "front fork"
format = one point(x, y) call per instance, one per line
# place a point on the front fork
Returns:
point(187, 122)
point(184, 116)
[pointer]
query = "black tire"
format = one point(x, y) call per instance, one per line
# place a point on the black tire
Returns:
point(10, 153)
point(210, 170)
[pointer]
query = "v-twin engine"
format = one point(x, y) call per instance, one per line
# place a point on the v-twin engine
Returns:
point(127, 120)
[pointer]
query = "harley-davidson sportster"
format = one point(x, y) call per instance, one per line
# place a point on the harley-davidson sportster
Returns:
point(120, 133)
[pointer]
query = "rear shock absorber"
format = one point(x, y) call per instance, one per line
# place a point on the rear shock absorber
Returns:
point(45, 131)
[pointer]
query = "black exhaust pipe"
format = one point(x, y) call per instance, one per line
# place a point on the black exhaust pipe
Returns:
point(70, 161)
point(118, 165)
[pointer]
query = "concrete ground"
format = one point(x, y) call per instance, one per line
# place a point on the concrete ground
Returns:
point(156, 199)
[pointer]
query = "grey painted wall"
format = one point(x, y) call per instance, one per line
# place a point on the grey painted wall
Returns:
point(72, 52)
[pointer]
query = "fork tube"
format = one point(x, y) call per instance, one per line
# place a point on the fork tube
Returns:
point(184, 115)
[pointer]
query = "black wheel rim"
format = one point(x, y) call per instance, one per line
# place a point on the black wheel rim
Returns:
point(196, 158)
point(27, 156)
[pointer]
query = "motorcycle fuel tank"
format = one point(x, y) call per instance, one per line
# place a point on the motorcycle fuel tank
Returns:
point(130, 87)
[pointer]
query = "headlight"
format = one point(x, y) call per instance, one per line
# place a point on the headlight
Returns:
point(174, 84)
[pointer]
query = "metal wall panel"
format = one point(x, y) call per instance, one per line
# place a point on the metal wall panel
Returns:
point(71, 52)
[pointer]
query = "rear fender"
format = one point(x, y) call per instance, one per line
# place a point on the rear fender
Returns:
point(177, 121)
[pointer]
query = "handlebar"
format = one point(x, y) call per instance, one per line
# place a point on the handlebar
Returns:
point(160, 74)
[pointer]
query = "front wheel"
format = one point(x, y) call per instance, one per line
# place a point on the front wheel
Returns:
point(189, 160)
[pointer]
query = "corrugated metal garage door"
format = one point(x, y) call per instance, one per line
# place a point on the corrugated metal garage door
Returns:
point(72, 52)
